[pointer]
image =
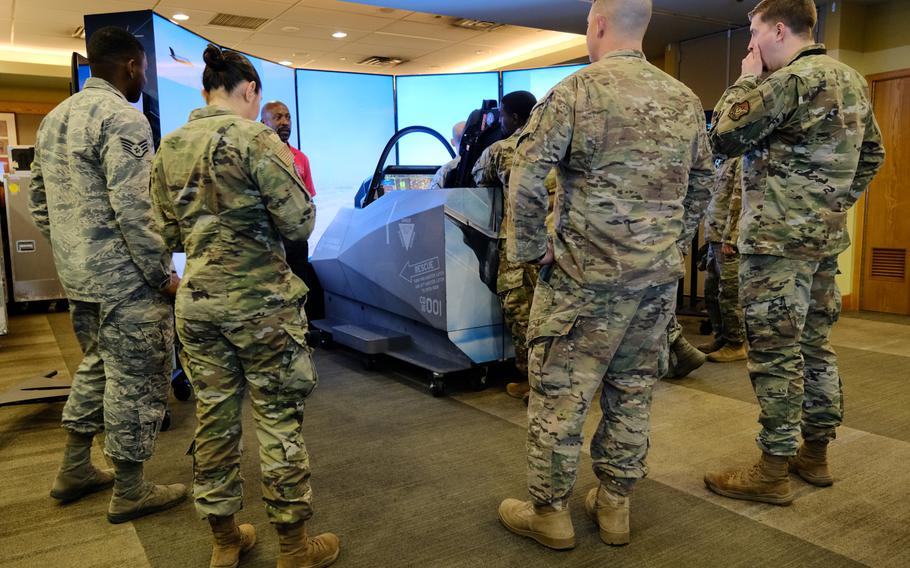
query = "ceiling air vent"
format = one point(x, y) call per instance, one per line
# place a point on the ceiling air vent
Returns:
point(237, 22)
point(378, 61)
point(476, 25)
point(889, 264)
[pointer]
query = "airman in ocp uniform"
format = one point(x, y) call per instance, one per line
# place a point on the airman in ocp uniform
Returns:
point(810, 148)
point(226, 191)
point(635, 173)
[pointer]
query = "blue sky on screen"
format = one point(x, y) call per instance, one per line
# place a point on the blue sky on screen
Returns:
point(344, 121)
point(537, 81)
point(438, 101)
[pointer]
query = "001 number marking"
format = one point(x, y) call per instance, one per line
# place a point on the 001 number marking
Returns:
point(431, 306)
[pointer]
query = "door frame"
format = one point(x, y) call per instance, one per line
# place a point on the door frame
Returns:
point(852, 301)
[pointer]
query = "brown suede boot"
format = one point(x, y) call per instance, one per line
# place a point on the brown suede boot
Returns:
point(811, 464)
point(728, 353)
point(518, 390)
point(713, 346)
point(77, 476)
point(550, 527)
point(767, 481)
point(296, 550)
point(230, 541)
point(610, 512)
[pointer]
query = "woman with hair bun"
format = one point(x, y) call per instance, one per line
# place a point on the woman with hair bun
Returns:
point(226, 192)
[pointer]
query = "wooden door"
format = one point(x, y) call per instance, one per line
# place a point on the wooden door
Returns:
point(885, 285)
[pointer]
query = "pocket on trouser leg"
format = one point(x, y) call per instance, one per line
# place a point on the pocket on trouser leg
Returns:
point(551, 364)
point(298, 375)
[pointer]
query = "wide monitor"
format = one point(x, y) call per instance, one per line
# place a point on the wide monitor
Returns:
point(537, 81)
point(438, 101)
point(344, 121)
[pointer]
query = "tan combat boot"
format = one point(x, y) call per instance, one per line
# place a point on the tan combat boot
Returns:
point(548, 526)
point(767, 481)
point(728, 353)
point(811, 464)
point(77, 476)
point(610, 512)
point(230, 541)
point(518, 390)
point(296, 550)
point(685, 358)
point(715, 344)
point(134, 497)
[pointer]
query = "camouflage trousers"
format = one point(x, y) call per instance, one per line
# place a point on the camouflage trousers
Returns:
point(722, 295)
point(580, 340)
point(515, 286)
point(121, 385)
point(790, 307)
point(267, 356)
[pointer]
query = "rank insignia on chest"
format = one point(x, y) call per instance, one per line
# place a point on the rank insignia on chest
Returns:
point(135, 149)
point(739, 110)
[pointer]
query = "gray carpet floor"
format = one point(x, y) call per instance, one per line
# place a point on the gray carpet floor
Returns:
point(408, 480)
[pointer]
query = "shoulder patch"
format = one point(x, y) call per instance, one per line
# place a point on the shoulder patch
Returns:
point(284, 154)
point(135, 149)
point(739, 110)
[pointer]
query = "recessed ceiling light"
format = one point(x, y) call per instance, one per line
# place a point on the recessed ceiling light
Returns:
point(342, 58)
point(290, 29)
point(339, 35)
point(181, 17)
point(286, 63)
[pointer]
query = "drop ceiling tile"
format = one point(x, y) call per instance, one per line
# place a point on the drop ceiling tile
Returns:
point(388, 51)
point(343, 21)
point(309, 31)
point(28, 39)
point(353, 7)
point(292, 43)
point(222, 36)
point(251, 8)
point(88, 6)
point(394, 41)
point(439, 31)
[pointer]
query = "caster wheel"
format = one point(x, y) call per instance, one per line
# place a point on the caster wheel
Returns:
point(166, 423)
point(437, 385)
point(479, 379)
point(370, 362)
point(181, 385)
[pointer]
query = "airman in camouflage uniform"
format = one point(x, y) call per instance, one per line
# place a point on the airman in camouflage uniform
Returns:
point(89, 197)
point(811, 146)
point(722, 274)
point(635, 173)
point(227, 193)
point(240, 308)
point(516, 280)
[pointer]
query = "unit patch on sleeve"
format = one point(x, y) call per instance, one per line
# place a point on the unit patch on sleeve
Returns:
point(739, 110)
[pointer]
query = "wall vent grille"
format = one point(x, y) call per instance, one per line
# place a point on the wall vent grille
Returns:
point(889, 264)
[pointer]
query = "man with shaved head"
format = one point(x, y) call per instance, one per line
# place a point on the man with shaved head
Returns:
point(275, 115)
point(635, 174)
